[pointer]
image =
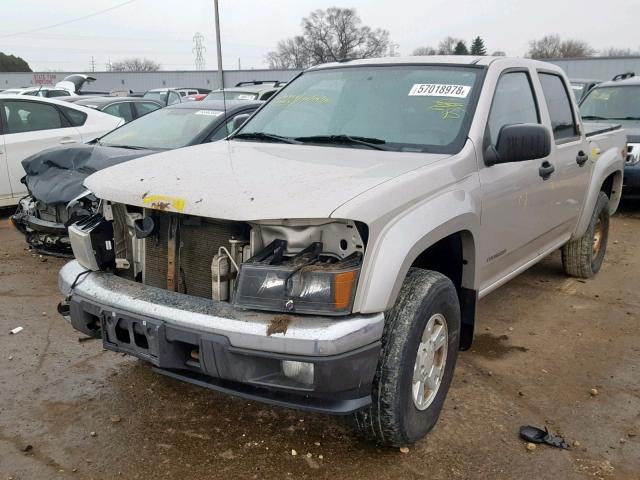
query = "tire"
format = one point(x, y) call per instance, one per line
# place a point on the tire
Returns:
point(582, 258)
point(393, 418)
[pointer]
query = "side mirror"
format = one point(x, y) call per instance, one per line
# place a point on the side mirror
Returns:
point(519, 143)
point(239, 120)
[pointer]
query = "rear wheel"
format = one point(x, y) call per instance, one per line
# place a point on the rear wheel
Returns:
point(583, 257)
point(419, 351)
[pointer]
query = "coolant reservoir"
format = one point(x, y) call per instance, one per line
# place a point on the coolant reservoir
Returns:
point(220, 278)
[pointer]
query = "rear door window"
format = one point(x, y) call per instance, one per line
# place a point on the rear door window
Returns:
point(24, 116)
point(556, 95)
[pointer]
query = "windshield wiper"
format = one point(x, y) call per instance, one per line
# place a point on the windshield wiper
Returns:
point(264, 137)
point(594, 117)
point(129, 147)
point(375, 143)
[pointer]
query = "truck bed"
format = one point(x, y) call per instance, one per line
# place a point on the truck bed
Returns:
point(593, 129)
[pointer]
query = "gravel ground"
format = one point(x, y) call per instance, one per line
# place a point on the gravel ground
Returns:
point(69, 409)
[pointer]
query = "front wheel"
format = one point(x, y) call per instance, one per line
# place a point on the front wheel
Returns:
point(419, 351)
point(583, 257)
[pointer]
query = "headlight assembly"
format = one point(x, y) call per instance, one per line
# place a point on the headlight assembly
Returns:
point(309, 282)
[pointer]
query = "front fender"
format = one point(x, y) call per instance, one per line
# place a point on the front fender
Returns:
point(609, 163)
point(401, 241)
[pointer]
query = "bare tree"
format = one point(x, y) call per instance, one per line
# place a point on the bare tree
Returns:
point(575, 49)
point(499, 53)
point(552, 46)
point(291, 53)
point(135, 65)
point(546, 47)
point(421, 51)
point(619, 52)
point(328, 36)
point(448, 45)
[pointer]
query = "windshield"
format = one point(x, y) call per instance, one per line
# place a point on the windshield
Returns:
point(403, 108)
point(612, 103)
point(231, 95)
point(167, 128)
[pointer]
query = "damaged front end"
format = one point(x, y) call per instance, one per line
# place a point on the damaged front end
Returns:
point(45, 225)
point(261, 309)
point(293, 266)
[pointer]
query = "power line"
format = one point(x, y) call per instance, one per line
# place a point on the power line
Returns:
point(66, 22)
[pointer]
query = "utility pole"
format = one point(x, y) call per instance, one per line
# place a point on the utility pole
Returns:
point(93, 64)
point(239, 66)
point(218, 46)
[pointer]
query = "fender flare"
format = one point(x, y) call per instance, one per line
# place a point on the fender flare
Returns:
point(403, 240)
point(607, 164)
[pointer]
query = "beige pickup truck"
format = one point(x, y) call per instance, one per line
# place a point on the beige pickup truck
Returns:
point(329, 254)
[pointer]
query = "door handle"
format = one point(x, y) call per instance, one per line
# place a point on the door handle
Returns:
point(582, 158)
point(546, 169)
point(66, 141)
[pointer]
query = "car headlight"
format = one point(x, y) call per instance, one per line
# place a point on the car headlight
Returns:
point(309, 282)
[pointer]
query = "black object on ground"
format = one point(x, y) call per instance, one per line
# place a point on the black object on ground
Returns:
point(537, 435)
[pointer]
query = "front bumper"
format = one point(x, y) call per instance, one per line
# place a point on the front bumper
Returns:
point(217, 346)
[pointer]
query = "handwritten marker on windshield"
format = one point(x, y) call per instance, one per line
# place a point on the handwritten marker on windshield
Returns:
point(16, 330)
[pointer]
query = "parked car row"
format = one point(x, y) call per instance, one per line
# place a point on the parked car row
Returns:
point(54, 177)
point(29, 128)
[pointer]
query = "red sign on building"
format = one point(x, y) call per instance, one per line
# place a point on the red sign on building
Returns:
point(44, 79)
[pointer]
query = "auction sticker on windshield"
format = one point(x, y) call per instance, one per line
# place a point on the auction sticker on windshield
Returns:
point(210, 113)
point(439, 90)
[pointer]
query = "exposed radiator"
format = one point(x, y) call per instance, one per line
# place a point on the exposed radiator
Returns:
point(198, 241)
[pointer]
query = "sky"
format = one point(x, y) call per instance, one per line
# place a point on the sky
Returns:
point(163, 30)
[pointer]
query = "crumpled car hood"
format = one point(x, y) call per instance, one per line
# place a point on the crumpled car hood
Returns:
point(55, 175)
point(237, 180)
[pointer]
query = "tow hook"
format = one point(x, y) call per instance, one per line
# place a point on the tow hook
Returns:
point(64, 309)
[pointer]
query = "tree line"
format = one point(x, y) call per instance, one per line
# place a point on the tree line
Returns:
point(11, 63)
point(337, 34)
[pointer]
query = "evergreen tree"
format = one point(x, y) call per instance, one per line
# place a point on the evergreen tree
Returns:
point(10, 63)
point(477, 47)
point(461, 49)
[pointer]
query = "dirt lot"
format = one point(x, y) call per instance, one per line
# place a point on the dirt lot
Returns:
point(543, 343)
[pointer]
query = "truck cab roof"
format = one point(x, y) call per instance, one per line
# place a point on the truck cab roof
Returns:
point(461, 60)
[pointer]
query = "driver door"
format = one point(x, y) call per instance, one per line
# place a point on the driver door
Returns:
point(517, 203)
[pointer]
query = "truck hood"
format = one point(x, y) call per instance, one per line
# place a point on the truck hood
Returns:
point(238, 180)
point(55, 175)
